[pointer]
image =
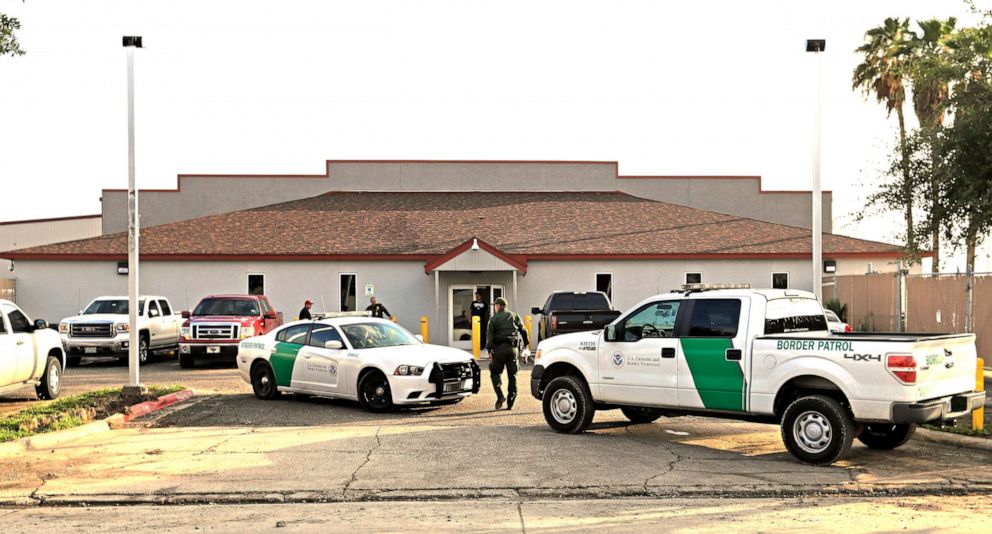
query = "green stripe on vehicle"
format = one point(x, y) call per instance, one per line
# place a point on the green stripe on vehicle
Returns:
point(282, 361)
point(720, 383)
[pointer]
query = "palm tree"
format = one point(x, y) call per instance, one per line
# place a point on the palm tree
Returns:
point(883, 73)
point(930, 89)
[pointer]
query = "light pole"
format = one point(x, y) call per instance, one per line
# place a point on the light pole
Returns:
point(133, 388)
point(817, 46)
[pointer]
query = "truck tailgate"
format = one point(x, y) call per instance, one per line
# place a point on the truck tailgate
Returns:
point(945, 366)
point(580, 321)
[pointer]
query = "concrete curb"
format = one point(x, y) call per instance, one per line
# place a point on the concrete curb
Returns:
point(957, 440)
point(51, 439)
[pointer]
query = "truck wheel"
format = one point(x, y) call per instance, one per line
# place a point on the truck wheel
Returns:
point(143, 349)
point(51, 381)
point(263, 382)
point(374, 393)
point(886, 436)
point(186, 361)
point(639, 415)
point(817, 430)
point(568, 405)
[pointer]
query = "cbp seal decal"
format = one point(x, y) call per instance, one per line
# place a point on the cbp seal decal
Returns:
point(618, 360)
point(333, 370)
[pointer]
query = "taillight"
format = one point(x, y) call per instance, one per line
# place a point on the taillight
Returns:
point(847, 328)
point(902, 366)
point(554, 323)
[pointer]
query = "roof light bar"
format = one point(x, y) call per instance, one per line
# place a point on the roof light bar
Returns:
point(708, 287)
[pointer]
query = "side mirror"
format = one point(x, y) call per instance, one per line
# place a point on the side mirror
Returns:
point(535, 311)
point(610, 332)
point(184, 314)
point(334, 345)
point(419, 337)
point(40, 324)
point(270, 315)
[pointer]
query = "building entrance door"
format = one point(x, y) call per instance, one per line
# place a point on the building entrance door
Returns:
point(460, 299)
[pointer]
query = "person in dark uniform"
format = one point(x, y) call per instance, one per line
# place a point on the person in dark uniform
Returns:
point(504, 334)
point(305, 312)
point(378, 310)
point(481, 310)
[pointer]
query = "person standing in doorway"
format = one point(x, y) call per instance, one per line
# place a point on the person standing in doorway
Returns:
point(504, 333)
point(481, 310)
point(378, 310)
point(305, 312)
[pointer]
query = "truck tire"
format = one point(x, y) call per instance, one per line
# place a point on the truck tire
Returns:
point(51, 381)
point(186, 361)
point(263, 381)
point(817, 430)
point(374, 393)
point(885, 436)
point(568, 405)
point(639, 415)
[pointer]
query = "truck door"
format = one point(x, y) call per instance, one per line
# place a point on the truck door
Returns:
point(322, 369)
point(155, 323)
point(638, 364)
point(170, 323)
point(22, 343)
point(7, 362)
point(712, 363)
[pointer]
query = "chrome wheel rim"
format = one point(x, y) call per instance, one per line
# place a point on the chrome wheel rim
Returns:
point(143, 351)
point(813, 432)
point(53, 378)
point(564, 406)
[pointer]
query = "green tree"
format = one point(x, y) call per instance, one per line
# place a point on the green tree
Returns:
point(883, 73)
point(930, 82)
point(8, 40)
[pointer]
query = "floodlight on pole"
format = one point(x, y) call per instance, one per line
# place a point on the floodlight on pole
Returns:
point(133, 387)
point(817, 47)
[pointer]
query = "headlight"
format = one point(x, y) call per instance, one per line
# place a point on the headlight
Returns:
point(537, 355)
point(185, 331)
point(247, 332)
point(63, 328)
point(408, 370)
point(120, 328)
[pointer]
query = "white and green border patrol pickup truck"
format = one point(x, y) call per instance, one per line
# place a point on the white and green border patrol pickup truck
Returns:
point(764, 355)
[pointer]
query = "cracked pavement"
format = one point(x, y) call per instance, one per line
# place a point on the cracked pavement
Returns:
point(234, 448)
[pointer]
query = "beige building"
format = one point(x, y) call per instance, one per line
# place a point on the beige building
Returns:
point(31, 233)
point(423, 237)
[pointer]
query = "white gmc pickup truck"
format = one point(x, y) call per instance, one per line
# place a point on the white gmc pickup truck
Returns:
point(102, 328)
point(30, 353)
point(763, 355)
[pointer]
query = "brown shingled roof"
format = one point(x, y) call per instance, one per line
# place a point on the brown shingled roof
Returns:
point(425, 224)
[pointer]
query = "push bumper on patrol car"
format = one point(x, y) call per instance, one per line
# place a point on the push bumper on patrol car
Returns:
point(943, 409)
point(441, 382)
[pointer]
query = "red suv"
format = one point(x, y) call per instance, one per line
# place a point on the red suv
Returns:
point(219, 322)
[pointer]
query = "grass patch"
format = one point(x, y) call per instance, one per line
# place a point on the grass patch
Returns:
point(71, 412)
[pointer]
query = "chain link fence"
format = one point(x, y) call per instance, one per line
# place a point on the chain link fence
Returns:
point(934, 304)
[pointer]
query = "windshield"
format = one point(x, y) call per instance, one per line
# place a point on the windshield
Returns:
point(113, 307)
point(375, 335)
point(227, 307)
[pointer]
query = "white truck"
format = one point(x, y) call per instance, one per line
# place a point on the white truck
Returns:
point(763, 355)
point(30, 353)
point(102, 328)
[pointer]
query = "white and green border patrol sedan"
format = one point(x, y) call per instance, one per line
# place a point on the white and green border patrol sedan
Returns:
point(374, 361)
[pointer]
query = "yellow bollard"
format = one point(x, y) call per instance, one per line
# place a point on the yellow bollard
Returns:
point(978, 416)
point(476, 339)
point(424, 328)
point(529, 325)
point(393, 319)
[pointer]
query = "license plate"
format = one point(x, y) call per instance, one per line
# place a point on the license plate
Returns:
point(89, 350)
point(213, 350)
point(454, 386)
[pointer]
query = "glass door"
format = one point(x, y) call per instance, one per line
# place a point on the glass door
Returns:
point(460, 311)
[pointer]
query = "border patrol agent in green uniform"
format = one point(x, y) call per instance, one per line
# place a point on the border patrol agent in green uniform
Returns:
point(503, 336)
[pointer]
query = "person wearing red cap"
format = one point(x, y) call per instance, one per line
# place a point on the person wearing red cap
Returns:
point(305, 312)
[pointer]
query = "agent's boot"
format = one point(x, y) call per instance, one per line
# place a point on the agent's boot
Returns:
point(499, 403)
point(509, 402)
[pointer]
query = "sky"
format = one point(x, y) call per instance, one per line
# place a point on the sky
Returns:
point(664, 88)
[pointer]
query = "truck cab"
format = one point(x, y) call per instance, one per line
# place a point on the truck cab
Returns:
point(213, 329)
point(757, 354)
point(30, 353)
point(102, 328)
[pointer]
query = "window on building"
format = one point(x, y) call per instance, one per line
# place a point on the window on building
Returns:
point(348, 291)
point(715, 318)
point(694, 278)
point(256, 284)
point(780, 280)
point(604, 283)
